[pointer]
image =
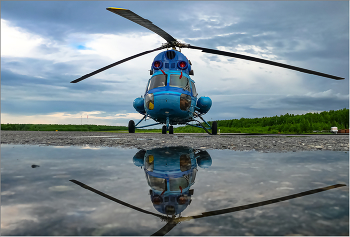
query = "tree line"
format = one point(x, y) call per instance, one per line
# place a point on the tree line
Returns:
point(290, 123)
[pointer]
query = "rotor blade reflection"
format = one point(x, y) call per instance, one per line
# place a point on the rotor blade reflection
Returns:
point(259, 60)
point(258, 204)
point(163, 231)
point(115, 200)
point(114, 64)
point(142, 21)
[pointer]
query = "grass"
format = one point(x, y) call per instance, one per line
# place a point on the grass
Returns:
point(123, 129)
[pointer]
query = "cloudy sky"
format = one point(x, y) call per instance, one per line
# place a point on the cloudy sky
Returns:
point(45, 45)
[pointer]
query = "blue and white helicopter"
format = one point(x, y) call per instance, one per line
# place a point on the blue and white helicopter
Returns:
point(171, 97)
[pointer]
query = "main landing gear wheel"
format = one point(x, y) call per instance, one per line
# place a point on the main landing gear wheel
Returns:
point(131, 126)
point(171, 130)
point(214, 128)
point(164, 129)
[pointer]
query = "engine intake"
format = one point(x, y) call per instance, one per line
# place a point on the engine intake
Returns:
point(139, 105)
point(204, 104)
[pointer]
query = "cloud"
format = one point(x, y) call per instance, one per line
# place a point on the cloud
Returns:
point(47, 45)
point(328, 100)
point(17, 42)
point(82, 117)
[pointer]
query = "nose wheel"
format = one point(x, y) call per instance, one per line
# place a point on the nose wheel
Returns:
point(164, 129)
point(171, 130)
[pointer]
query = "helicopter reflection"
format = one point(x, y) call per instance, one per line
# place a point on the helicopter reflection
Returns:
point(170, 173)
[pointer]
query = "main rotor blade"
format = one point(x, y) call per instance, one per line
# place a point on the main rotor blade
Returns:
point(114, 64)
point(258, 204)
point(259, 60)
point(163, 231)
point(114, 199)
point(142, 21)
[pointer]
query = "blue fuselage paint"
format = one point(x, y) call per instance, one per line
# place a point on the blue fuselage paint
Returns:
point(167, 97)
point(167, 165)
point(167, 102)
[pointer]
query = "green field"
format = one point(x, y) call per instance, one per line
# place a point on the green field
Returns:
point(285, 124)
point(61, 127)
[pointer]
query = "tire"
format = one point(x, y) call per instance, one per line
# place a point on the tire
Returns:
point(171, 130)
point(131, 126)
point(214, 128)
point(164, 129)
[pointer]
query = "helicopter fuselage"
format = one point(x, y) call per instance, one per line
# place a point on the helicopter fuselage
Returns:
point(175, 103)
point(170, 96)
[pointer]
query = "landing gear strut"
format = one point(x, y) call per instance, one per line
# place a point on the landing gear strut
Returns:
point(213, 127)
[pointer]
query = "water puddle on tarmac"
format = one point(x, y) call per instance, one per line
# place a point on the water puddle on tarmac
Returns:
point(110, 137)
point(51, 190)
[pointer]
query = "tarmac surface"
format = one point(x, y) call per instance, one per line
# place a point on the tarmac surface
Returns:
point(239, 142)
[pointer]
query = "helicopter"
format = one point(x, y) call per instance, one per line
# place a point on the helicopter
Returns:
point(170, 97)
point(170, 172)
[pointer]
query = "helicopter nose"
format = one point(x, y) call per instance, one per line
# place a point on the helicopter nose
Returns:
point(167, 104)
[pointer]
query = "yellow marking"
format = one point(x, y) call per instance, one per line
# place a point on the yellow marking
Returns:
point(115, 8)
point(151, 105)
point(150, 159)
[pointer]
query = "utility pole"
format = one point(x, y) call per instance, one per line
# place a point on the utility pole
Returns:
point(81, 119)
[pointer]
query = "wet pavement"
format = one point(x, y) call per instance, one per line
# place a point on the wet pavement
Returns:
point(89, 190)
point(237, 142)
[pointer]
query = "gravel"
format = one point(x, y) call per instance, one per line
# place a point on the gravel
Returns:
point(239, 142)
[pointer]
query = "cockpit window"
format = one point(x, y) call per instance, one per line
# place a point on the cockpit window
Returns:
point(156, 183)
point(194, 92)
point(177, 82)
point(175, 183)
point(185, 162)
point(193, 175)
point(157, 81)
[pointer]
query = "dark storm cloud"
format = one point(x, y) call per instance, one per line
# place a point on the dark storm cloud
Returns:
point(9, 78)
point(330, 100)
point(286, 25)
point(305, 102)
point(55, 74)
point(312, 35)
point(64, 100)
point(55, 19)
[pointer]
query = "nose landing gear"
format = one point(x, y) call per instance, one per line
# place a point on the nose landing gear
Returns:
point(171, 129)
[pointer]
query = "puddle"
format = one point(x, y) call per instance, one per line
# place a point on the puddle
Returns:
point(91, 136)
point(142, 139)
point(144, 187)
